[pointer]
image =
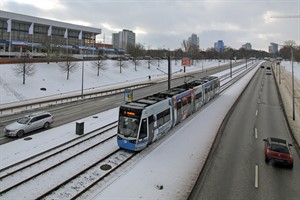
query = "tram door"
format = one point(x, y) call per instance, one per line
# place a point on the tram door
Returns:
point(179, 112)
point(151, 129)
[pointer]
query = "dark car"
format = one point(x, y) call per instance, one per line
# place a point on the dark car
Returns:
point(268, 72)
point(279, 151)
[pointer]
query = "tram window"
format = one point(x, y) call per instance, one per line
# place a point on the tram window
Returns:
point(143, 131)
point(189, 100)
point(128, 126)
point(199, 95)
point(160, 119)
point(163, 117)
point(167, 115)
point(151, 119)
point(178, 105)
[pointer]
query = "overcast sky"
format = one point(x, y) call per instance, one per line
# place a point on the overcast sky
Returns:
point(166, 23)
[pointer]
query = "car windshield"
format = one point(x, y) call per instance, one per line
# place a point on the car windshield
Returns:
point(128, 126)
point(24, 120)
point(279, 148)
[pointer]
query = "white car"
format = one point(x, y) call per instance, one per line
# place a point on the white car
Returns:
point(29, 123)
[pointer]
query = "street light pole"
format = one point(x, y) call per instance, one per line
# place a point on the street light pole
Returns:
point(82, 74)
point(279, 75)
point(231, 57)
point(293, 89)
point(169, 73)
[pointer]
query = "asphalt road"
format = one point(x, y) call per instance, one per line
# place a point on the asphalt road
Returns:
point(236, 168)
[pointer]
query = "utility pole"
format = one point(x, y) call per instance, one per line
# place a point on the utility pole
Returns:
point(169, 73)
point(293, 87)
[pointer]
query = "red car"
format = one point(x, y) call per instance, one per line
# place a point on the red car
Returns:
point(279, 151)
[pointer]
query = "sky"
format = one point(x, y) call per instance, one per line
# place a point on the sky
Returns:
point(165, 24)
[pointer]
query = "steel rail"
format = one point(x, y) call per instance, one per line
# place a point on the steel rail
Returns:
point(79, 139)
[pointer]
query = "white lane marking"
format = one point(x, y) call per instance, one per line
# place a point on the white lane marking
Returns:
point(104, 99)
point(255, 130)
point(118, 103)
point(256, 113)
point(3, 138)
point(256, 176)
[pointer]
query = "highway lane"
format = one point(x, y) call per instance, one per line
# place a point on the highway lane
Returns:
point(236, 168)
point(69, 112)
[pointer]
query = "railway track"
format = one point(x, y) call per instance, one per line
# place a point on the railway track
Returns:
point(238, 75)
point(81, 182)
point(7, 170)
point(30, 179)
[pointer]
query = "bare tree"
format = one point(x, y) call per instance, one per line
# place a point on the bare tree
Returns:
point(149, 61)
point(99, 64)
point(68, 66)
point(121, 63)
point(136, 52)
point(290, 43)
point(25, 68)
point(286, 50)
point(136, 63)
point(297, 54)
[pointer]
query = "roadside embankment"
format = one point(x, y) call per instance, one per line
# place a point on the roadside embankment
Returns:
point(286, 92)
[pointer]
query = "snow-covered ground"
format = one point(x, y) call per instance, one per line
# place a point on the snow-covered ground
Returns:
point(166, 170)
point(55, 82)
point(288, 66)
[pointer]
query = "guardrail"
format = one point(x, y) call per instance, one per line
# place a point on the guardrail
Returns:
point(15, 107)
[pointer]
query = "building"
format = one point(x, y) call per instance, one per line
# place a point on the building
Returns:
point(116, 40)
point(247, 46)
point(41, 37)
point(193, 40)
point(123, 39)
point(219, 46)
point(273, 48)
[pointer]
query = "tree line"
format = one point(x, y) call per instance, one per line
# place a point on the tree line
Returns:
point(138, 55)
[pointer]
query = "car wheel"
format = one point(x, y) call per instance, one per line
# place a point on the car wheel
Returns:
point(266, 160)
point(291, 166)
point(20, 133)
point(46, 125)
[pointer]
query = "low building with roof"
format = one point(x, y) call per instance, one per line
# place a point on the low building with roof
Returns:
point(38, 37)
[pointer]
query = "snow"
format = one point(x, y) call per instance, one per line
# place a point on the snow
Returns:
point(287, 65)
point(50, 77)
point(167, 169)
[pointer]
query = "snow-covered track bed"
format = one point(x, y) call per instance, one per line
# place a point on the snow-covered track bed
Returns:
point(10, 169)
point(95, 173)
point(237, 76)
point(22, 180)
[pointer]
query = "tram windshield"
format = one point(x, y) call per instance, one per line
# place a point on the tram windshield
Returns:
point(128, 126)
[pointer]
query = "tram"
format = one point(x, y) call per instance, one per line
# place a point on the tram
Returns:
point(145, 120)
